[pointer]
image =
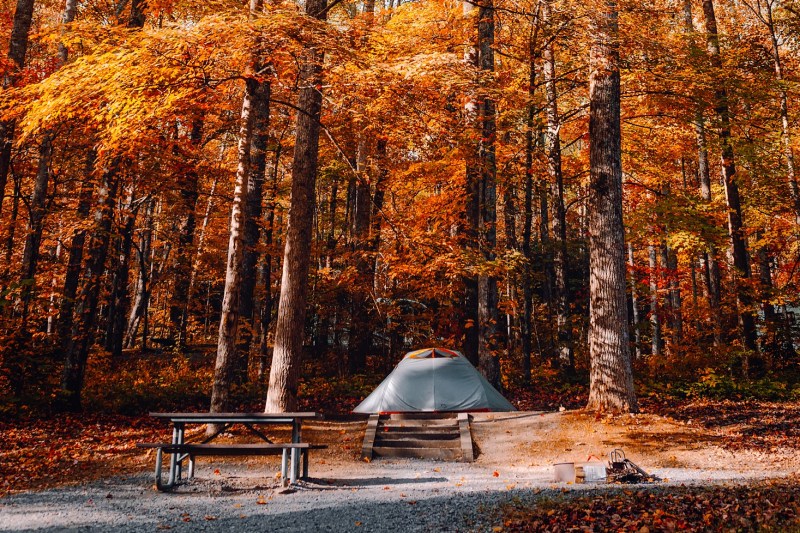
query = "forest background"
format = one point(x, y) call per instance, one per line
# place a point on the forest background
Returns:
point(455, 178)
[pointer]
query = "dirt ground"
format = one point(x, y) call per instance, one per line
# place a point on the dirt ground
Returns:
point(695, 442)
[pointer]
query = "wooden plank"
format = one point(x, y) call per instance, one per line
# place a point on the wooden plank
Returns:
point(466, 438)
point(369, 437)
point(444, 454)
point(418, 443)
point(235, 417)
point(437, 435)
point(430, 430)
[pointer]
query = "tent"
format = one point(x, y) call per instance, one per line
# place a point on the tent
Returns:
point(434, 379)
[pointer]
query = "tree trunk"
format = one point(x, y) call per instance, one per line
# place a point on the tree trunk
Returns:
point(17, 49)
point(634, 305)
point(75, 259)
point(267, 303)
point(488, 312)
point(179, 306)
point(655, 317)
point(37, 209)
point(786, 133)
point(142, 298)
point(290, 324)
point(260, 109)
point(527, 222)
point(741, 260)
point(83, 332)
point(675, 300)
point(560, 258)
point(120, 295)
point(471, 347)
point(229, 313)
point(611, 387)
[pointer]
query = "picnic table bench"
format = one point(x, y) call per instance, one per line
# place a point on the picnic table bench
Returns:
point(179, 450)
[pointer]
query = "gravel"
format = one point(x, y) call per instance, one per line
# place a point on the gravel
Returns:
point(398, 495)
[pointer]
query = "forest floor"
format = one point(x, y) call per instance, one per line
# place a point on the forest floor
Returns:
point(724, 465)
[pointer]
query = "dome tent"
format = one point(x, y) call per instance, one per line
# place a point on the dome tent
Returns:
point(434, 379)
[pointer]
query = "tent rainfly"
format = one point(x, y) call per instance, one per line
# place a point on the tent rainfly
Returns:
point(434, 379)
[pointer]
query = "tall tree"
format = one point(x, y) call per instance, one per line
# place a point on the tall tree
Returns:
point(290, 324)
point(17, 49)
point(82, 336)
point(611, 387)
point(187, 204)
point(553, 140)
point(741, 260)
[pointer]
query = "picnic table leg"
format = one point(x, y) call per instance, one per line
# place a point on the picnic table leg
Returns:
point(305, 464)
point(284, 469)
point(159, 463)
point(295, 466)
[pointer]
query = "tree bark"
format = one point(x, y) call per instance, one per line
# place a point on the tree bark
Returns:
point(488, 312)
point(229, 313)
point(611, 387)
point(290, 324)
point(179, 306)
point(634, 305)
point(83, 332)
point(560, 258)
point(75, 258)
point(741, 261)
point(260, 108)
point(786, 133)
point(37, 210)
point(17, 49)
point(120, 296)
point(655, 317)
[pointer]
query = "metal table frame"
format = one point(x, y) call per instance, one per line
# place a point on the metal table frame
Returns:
point(226, 420)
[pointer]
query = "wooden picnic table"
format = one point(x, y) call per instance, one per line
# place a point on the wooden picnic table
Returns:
point(179, 449)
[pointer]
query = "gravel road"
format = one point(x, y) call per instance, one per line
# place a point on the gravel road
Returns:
point(401, 495)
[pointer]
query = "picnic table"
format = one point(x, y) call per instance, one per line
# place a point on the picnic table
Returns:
point(179, 450)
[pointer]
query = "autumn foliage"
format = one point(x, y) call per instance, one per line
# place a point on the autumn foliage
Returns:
point(121, 133)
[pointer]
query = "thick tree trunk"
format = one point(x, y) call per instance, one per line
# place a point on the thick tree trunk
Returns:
point(179, 306)
point(741, 261)
point(229, 313)
point(611, 387)
point(18, 47)
point(290, 324)
point(83, 331)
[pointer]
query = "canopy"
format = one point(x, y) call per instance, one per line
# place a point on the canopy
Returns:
point(434, 379)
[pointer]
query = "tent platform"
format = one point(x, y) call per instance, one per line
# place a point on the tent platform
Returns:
point(424, 435)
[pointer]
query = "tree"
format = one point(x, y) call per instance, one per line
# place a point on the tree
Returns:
point(611, 387)
point(741, 260)
point(290, 324)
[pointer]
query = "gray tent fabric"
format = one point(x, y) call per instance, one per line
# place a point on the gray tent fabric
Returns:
point(434, 379)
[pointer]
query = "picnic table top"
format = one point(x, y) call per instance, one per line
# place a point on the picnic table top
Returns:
point(234, 417)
